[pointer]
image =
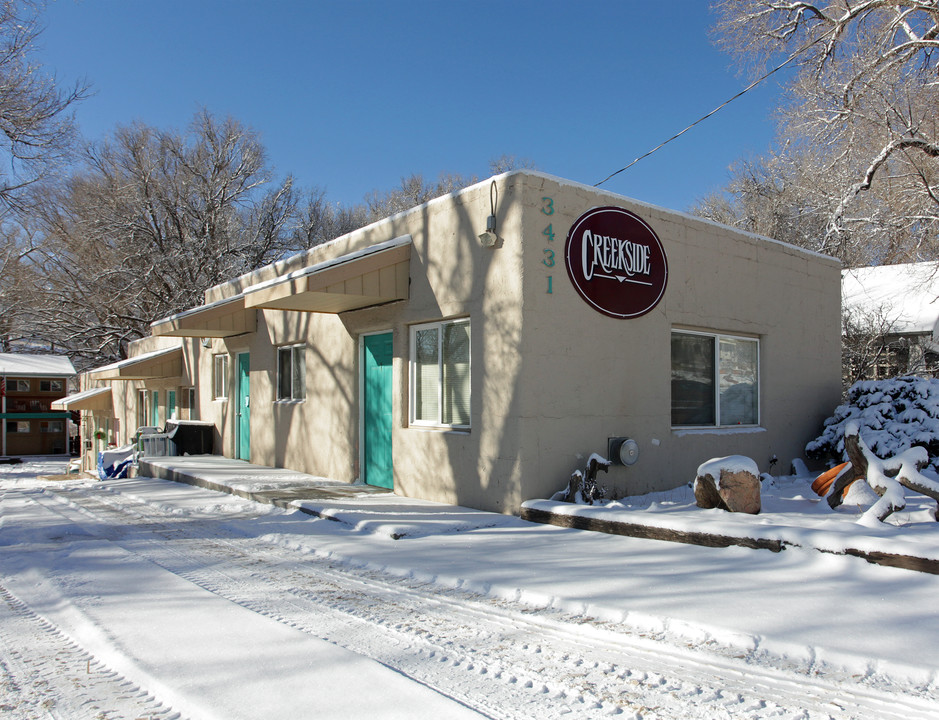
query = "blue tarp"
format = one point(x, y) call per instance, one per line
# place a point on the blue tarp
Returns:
point(114, 463)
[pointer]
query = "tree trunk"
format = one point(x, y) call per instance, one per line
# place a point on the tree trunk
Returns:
point(857, 470)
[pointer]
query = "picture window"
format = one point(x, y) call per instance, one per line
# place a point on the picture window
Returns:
point(715, 380)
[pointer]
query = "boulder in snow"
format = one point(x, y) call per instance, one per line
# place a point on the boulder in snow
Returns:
point(730, 483)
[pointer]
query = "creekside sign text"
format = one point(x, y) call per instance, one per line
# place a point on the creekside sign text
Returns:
point(616, 262)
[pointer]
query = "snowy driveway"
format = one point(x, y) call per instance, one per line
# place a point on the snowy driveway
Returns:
point(151, 599)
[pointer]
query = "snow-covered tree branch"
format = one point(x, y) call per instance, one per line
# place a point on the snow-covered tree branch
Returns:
point(857, 164)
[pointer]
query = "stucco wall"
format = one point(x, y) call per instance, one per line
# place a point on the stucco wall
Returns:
point(451, 276)
point(588, 377)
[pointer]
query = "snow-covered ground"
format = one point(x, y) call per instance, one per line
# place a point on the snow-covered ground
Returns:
point(144, 598)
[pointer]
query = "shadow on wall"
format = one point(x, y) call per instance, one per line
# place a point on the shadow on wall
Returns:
point(461, 275)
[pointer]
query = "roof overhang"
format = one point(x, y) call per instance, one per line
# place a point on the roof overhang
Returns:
point(165, 363)
point(94, 399)
point(221, 319)
point(373, 276)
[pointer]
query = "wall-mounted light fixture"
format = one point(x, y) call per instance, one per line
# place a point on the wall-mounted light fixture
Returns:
point(490, 238)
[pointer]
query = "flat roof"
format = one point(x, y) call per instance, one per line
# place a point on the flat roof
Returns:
point(22, 365)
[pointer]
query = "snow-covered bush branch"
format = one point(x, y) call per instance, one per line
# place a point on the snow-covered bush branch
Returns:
point(892, 415)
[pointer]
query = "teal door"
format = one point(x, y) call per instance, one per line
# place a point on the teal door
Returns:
point(376, 410)
point(170, 404)
point(155, 409)
point(243, 409)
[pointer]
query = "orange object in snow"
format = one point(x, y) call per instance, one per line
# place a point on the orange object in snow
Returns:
point(823, 482)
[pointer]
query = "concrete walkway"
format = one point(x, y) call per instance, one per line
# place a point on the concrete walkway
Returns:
point(274, 486)
point(362, 508)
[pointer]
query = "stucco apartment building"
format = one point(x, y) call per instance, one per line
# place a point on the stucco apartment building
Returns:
point(478, 348)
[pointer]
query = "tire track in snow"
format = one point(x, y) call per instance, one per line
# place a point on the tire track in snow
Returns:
point(51, 676)
point(494, 655)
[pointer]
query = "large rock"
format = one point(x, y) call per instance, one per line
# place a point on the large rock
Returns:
point(731, 483)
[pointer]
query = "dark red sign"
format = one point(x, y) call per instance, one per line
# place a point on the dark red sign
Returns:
point(616, 262)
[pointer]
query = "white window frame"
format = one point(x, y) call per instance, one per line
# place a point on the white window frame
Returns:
point(143, 417)
point(21, 386)
point(220, 376)
point(717, 376)
point(297, 384)
point(187, 402)
point(438, 422)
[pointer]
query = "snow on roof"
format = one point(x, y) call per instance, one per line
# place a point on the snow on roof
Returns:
point(906, 295)
point(391, 220)
point(35, 365)
point(136, 359)
point(333, 262)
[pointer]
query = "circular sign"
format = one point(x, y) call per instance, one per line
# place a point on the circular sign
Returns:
point(616, 262)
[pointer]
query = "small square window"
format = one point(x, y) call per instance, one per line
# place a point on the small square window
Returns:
point(220, 377)
point(50, 386)
point(188, 403)
point(142, 416)
point(291, 372)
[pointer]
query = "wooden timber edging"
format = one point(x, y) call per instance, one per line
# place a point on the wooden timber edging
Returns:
point(647, 532)
point(617, 527)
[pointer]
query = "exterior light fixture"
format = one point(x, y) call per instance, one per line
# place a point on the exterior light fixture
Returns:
point(490, 237)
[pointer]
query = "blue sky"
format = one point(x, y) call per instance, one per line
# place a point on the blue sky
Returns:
point(353, 95)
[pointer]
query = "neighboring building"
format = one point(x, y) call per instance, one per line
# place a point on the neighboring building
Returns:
point(29, 386)
point(891, 315)
point(482, 371)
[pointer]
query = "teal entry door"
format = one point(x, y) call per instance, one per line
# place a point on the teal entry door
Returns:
point(376, 411)
point(243, 409)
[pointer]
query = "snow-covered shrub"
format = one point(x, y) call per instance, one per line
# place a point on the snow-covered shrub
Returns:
point(893, 416)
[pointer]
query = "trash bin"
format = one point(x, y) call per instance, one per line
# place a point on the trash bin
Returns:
point(191, 437)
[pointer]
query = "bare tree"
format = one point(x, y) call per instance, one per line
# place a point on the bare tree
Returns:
point(17, 287)
point(36, 130)
point(412, 191)
point(151, 221)
point(153, 218)
point(859, 132)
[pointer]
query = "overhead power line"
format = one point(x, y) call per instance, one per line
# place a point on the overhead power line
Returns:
point(720, 107)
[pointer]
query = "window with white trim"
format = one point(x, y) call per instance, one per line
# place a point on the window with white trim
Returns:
point(187, 399)
point(220, 376)
point(715, 380)
point(142, 408)
point(291, 372)
point(50, 386)
point(440, 374)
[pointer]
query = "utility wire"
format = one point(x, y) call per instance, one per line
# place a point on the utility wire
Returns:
point(720, 107)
